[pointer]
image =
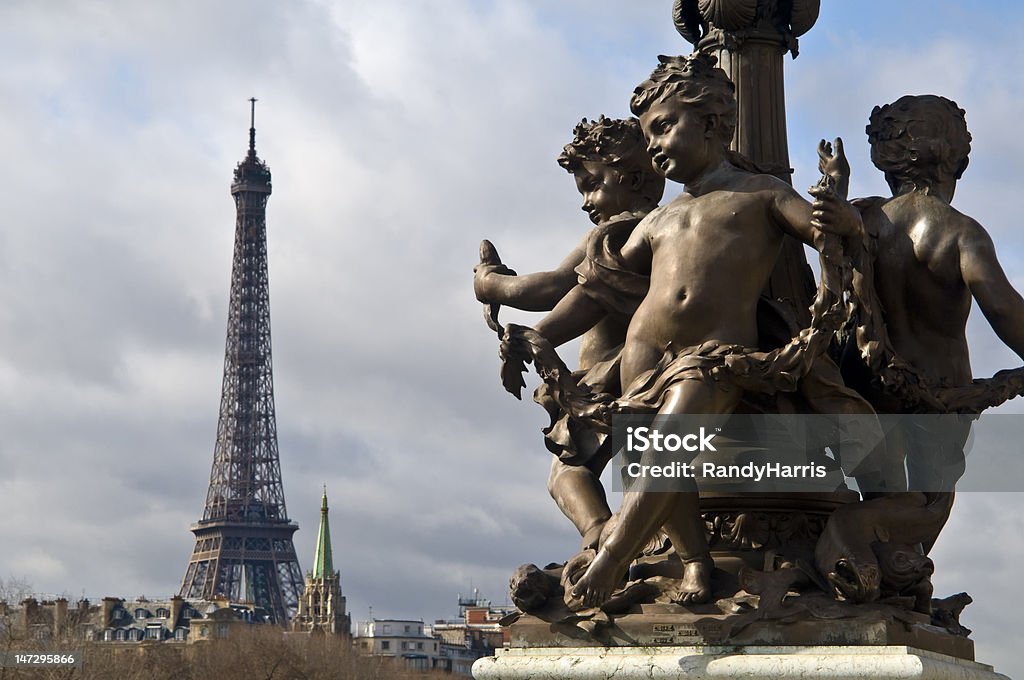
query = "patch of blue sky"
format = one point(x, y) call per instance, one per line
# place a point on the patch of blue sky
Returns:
point(124, 91)
point(903, 22)
point(610, 37)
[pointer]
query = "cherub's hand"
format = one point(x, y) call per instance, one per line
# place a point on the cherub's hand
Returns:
point(485, 274)
point(833, 214)
point(832, 163)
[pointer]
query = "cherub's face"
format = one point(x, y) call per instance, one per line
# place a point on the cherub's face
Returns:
point(677, 140)
point(606, 191)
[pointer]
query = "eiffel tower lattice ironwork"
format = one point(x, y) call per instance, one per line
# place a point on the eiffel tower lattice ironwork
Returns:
point(244, 550)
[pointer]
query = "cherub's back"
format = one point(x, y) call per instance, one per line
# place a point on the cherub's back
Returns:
point(919, 282)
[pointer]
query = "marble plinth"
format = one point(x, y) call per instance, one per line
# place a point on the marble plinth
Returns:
point(728, 663)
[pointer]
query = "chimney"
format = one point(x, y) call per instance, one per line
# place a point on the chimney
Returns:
point(60, 616)
point(29, 612)
point(108, 609)
point(176, 607)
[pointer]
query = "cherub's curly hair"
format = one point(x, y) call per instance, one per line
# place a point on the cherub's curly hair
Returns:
point(692, 79)
point(618, 143)
point(918, 141)
point(605, 140)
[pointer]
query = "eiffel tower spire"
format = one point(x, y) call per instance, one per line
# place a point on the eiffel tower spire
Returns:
point(244, 540)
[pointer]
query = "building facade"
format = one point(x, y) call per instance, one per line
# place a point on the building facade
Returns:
point(115, 620)
point(399, 638)
point(475, 633)
point(450, 645)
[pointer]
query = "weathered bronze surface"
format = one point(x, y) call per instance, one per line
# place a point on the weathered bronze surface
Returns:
point(671, 302)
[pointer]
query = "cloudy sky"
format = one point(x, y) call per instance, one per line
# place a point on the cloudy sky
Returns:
point(399, 134)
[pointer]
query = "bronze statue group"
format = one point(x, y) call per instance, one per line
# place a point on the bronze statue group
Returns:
point(669, 302)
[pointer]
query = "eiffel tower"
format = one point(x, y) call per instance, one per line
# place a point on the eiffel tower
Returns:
point(244, 550)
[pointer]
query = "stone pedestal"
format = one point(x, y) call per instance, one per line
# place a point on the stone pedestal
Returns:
point(727, 662)
point(665, 626)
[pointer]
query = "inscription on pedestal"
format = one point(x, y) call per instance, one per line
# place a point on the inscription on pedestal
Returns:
point(683, 633)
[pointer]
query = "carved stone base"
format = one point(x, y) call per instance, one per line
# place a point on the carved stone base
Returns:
point(727, 663)
point(672, 626)
point(741, 528)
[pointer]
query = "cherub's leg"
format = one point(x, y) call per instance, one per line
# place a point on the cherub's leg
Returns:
point(643, 512)
point(863, 451)
point(684, 525)
point(580, 496)
point(685, 529)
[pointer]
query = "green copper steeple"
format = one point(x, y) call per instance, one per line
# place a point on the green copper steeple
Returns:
point(323, 562)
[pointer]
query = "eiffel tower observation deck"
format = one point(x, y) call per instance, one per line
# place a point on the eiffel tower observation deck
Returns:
point(244, 550)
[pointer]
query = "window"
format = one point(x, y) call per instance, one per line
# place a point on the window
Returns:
point(180, 633)
point(141, 614)
point(385, 645)
point(387, 628)
point(153, 633)
point(407, 629)
point(419, 646)
point(163, 613)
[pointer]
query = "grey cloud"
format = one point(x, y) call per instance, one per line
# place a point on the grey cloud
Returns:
point(399, 134)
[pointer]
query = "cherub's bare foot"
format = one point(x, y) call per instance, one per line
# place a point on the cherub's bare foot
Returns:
point(695, 586)
point(600, 580)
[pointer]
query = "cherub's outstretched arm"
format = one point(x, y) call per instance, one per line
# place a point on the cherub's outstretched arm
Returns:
point(984, 276)
point(575, 314)
point(537, 292)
